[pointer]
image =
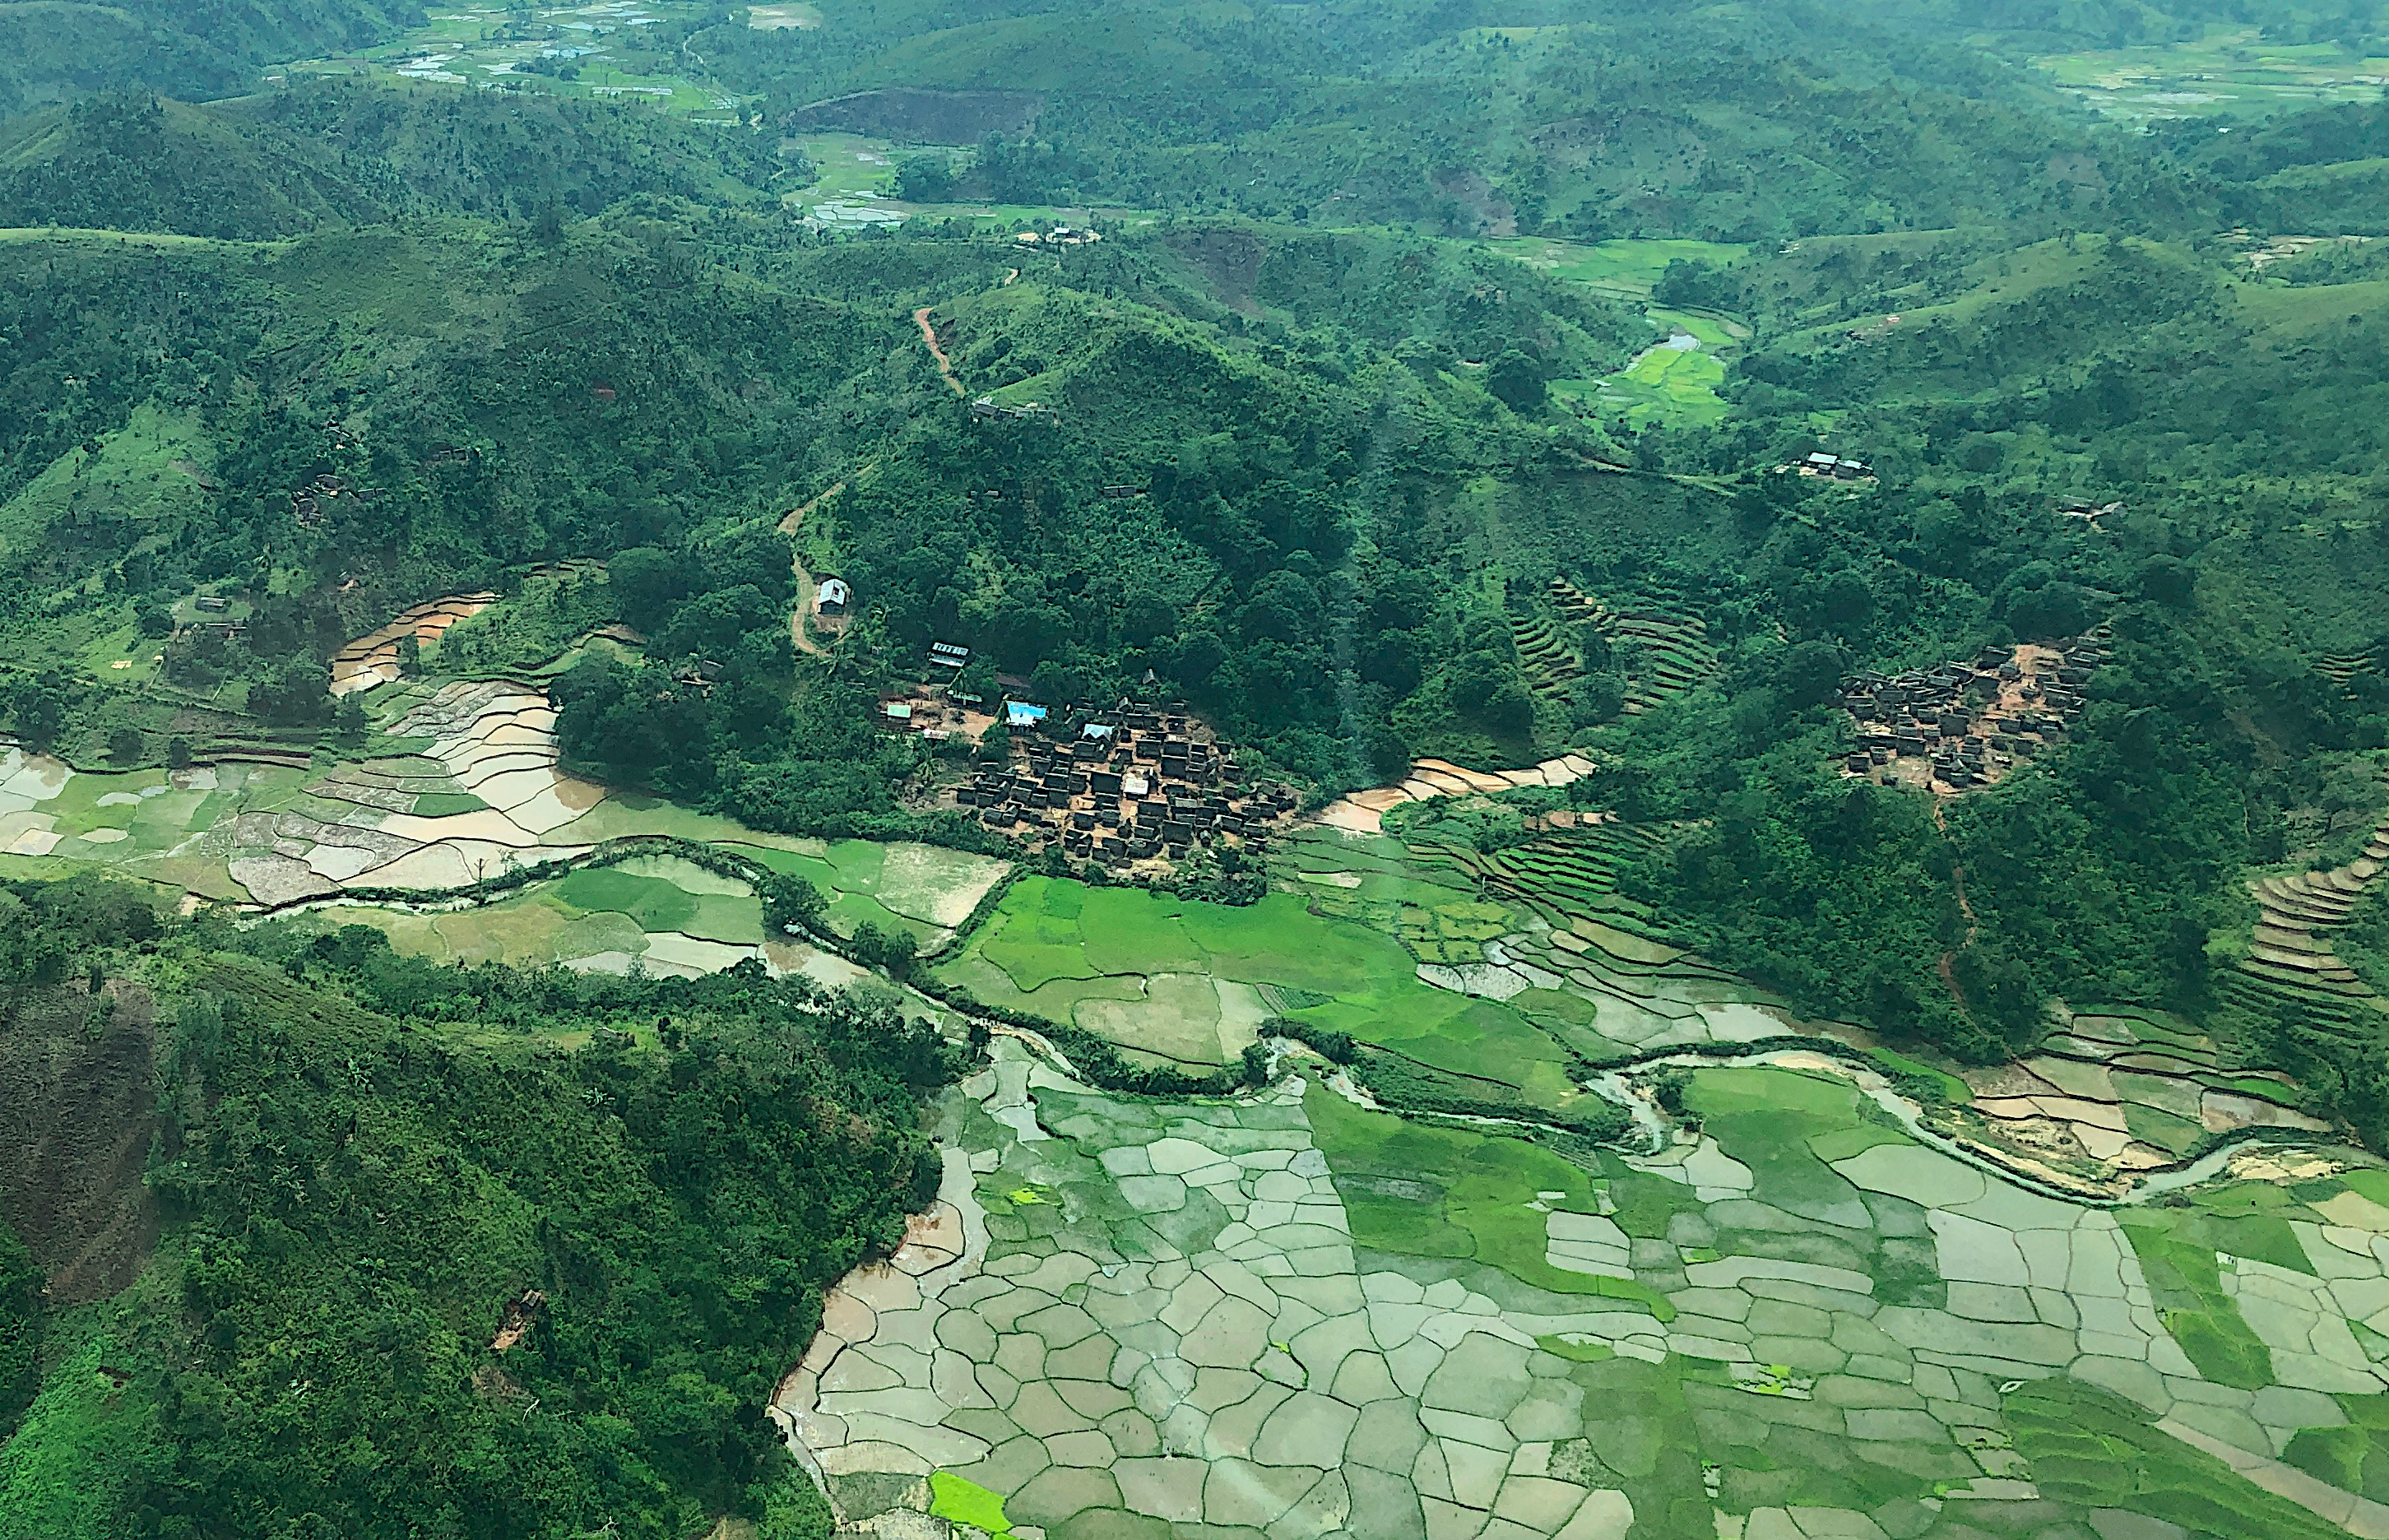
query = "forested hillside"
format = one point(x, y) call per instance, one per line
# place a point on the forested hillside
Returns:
point(1826, 509)
point(361, 1199)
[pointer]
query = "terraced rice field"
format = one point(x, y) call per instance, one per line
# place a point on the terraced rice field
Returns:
point(1286, 1316)
point(2289, 967)
point(2130, 1089)
point(372, 658)
point(1583, 961)
point(1363, 813)
point(1663, 654)
point(2119, 1090)
point(1545, 655)
point(658, 914)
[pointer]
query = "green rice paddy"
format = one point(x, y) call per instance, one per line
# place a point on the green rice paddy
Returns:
point(1620, 269)
point(1198, 1317)
point(1048, 931)
point(1666, 383)
point(1675, 380)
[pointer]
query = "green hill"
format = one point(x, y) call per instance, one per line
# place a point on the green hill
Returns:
point(336, 152)
point(56, 52)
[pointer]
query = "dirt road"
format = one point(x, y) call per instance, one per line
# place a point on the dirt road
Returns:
point(929, 335)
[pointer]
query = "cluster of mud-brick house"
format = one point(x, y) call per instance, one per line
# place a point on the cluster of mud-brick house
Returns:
point(1129, 785)
point(1971, 722)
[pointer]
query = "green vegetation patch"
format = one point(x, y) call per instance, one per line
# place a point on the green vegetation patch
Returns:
point(62, 1471)
point(2354, 1457)
point(2091, 1448)
point(959, 1500)
point(656, 904)
point(443, 804)
point(547, 614)
point(1765, 1117)
point(1052, 929)
point(2177, 1249)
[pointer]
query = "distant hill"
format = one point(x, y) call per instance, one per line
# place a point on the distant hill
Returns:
point(339, 152)
point(53, 52)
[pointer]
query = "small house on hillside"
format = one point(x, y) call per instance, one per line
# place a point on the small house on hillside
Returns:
point(1021, 714)
point(833, 597)
point(946, 655)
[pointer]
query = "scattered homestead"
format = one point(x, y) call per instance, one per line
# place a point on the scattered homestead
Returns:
point(833, 597)
point(2263, 252)
point(1026, 411)
point(1132, 784)
point(2086, 510)
point(1958, 726)
point(1828, 468)
point(312, 504)
point(1061, 234)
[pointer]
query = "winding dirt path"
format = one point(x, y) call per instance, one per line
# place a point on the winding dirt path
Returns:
point(1947, 965)
point(929, 335)
point(805, 585)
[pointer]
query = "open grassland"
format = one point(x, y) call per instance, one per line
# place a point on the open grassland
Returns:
point(84, 1409)
point(143, 473)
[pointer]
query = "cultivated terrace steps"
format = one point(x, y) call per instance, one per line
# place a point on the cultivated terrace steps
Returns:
point(1544, 655)
point(2289, 956)
point(2340, 668)
point(1675, 653)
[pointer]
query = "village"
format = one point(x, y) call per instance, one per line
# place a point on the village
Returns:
point(1131, 783)
point(1958, 726)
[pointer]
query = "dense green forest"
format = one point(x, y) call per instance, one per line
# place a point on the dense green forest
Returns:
point(368, 1162)
point(1357, 372)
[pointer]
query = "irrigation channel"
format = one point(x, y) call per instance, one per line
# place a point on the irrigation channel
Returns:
point(1619, 1085)
point(1660, 1130)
